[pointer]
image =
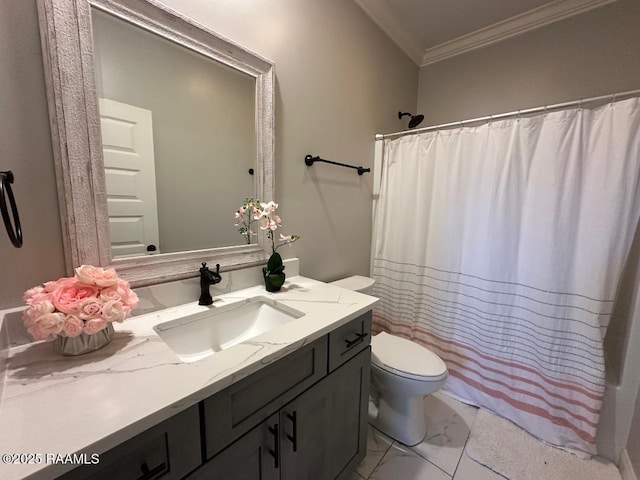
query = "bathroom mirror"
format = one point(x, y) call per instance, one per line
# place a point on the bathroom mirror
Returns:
point(178, 136)
point(125, 77)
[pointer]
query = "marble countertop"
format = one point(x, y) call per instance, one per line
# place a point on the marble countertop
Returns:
point(62, 405)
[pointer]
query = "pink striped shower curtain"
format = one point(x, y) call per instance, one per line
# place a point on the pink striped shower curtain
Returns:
point(500, 247)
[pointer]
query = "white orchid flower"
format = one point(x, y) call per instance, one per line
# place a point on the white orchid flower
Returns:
point(268, 208)
point(267, 220)
point(267, 223)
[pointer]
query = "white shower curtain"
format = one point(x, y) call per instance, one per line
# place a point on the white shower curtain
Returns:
point(500, 247)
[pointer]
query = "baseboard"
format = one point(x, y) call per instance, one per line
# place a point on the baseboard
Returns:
point(626, 468)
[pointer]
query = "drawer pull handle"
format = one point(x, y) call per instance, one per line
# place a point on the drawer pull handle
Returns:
point(148, 474)
point(294, 439)
point(358, 339)
point(275, 453)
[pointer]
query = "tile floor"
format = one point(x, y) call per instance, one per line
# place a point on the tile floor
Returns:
point(440, 456)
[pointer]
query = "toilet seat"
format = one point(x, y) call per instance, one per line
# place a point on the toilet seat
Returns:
point(357, 283)
point(407, 359)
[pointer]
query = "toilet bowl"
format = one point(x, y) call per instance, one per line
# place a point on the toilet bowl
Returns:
point(402, 373)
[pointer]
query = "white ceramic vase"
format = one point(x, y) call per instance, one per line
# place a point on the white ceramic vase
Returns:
point(83, 343)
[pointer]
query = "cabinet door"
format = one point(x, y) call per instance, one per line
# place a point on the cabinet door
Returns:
point(324, 430)
point(255, 456)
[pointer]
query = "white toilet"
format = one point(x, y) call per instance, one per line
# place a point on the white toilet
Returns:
point(402, 373)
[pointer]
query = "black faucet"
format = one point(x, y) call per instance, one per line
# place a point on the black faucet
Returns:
point(207, 277)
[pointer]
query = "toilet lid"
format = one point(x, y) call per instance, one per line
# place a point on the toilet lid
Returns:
point(357, 283)
point(406, 358)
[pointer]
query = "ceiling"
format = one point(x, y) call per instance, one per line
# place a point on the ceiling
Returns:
point(433, 30)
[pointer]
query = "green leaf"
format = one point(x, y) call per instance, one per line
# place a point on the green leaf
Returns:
point(275, 265)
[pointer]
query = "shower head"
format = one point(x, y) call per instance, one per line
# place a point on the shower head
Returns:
point(415, 119)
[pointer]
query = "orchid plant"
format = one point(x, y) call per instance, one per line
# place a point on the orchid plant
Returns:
point(248, 213)
point(264, 213)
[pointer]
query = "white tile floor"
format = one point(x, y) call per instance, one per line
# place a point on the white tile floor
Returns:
point(440, 456)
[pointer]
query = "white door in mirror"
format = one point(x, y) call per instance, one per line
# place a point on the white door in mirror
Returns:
point(127, 142)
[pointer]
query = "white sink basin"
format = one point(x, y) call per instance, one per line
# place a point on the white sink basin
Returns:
point(198, 335)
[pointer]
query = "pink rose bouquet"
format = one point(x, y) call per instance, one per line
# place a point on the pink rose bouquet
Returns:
point(84, 303)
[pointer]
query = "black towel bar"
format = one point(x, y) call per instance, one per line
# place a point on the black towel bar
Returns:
point(309, 160)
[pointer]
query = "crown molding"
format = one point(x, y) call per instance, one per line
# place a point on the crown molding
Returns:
point(535, 18)
point(384, 16)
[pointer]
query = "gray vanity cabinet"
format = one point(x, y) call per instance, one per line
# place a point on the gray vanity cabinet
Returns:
point(315, 403)
point(231, 413)
point(319, 435)
point(303, 417)
point(323, 433)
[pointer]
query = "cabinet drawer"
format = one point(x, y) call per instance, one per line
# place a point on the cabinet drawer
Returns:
point(168, 451)
point(348, 340)
point(241, 406)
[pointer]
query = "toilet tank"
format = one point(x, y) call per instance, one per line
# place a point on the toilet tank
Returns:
point(356, 283)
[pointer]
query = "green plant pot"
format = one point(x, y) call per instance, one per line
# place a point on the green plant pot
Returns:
point(273, 282)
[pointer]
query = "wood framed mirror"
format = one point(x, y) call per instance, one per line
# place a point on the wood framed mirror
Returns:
point(81, 84)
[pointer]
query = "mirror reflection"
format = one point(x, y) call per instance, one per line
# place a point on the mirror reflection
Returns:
point(179, 141)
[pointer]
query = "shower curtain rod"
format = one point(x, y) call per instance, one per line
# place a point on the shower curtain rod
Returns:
point(516, 113)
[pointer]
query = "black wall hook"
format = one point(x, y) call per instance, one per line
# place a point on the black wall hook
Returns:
point(6, 179)
point(310, 160)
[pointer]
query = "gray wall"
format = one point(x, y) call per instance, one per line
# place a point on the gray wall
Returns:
point(25, 146)
point(339, 80)
point(595, 53)
point(203, 130)
point(592, 54)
